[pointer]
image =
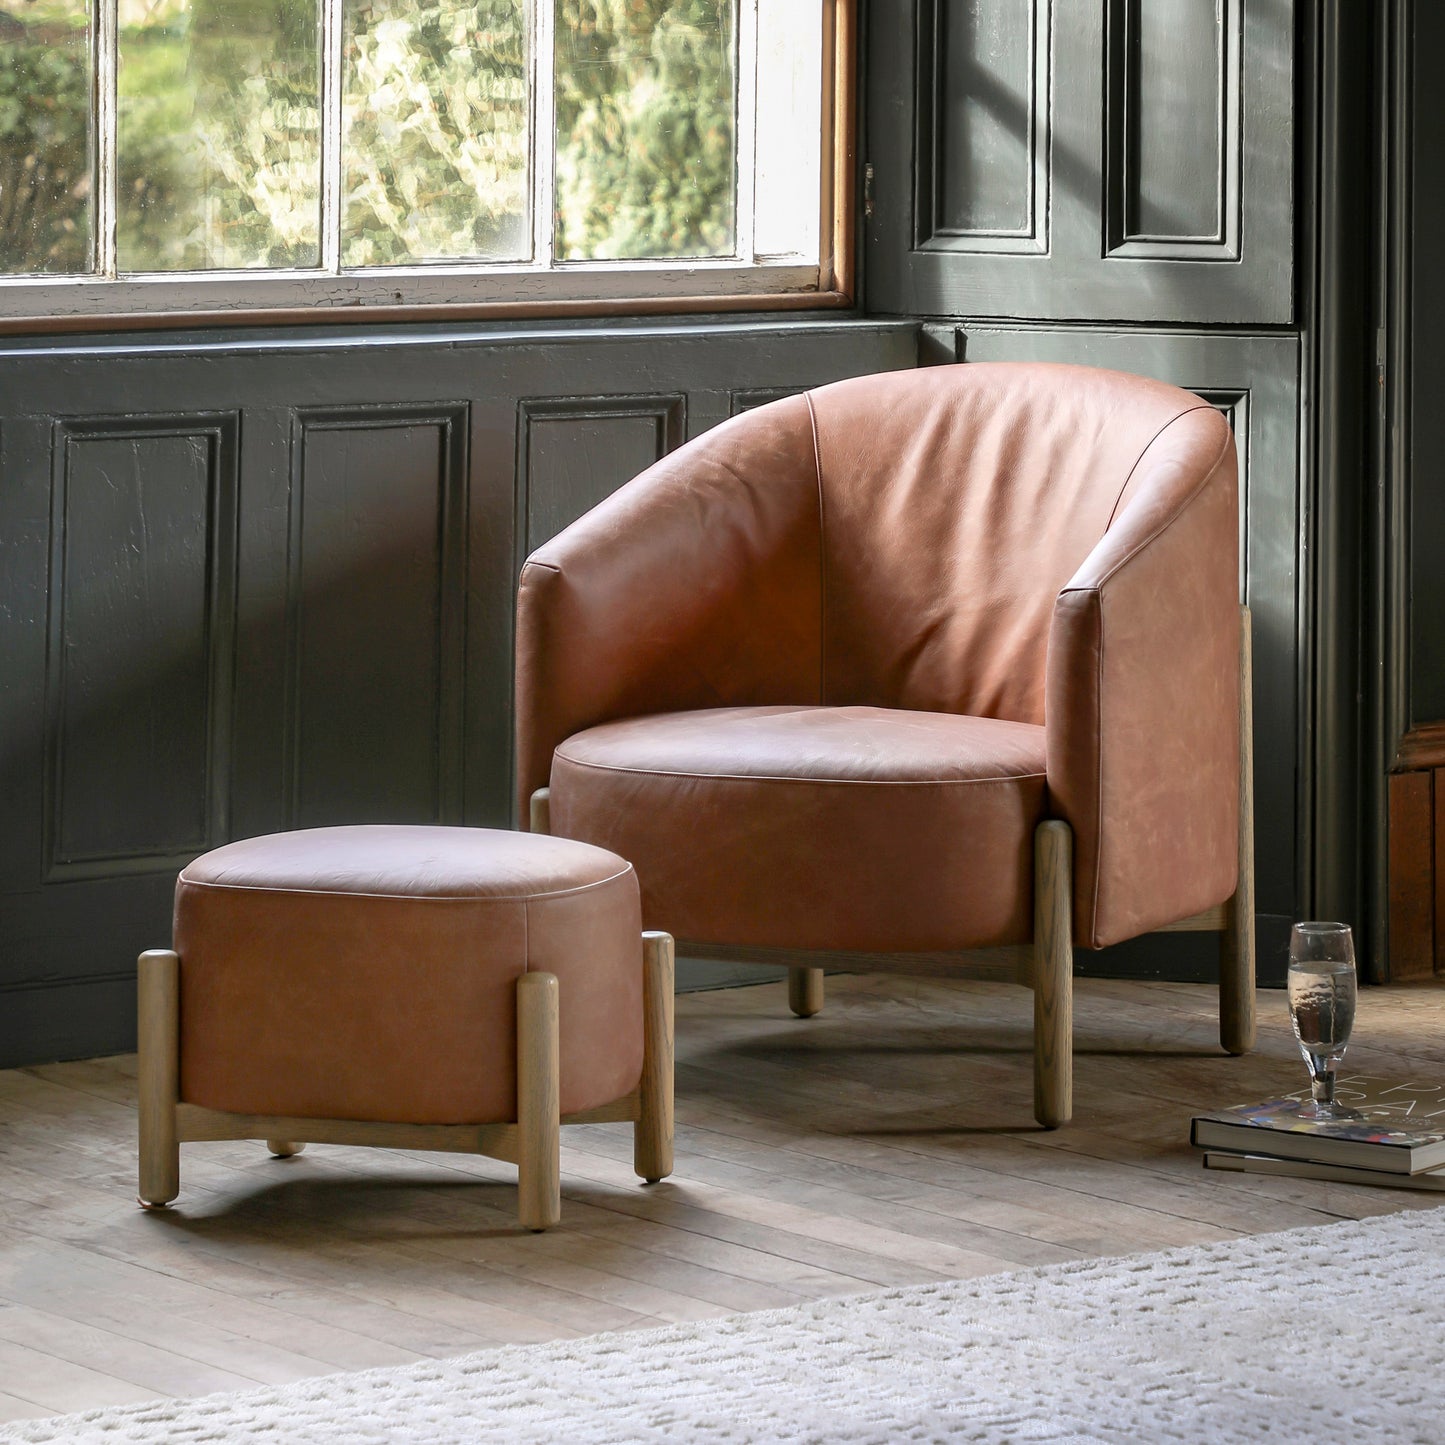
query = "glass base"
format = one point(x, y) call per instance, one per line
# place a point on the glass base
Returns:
point(1327, 1113)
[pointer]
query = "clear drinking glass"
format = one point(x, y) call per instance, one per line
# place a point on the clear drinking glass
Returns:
point(1322, 1008)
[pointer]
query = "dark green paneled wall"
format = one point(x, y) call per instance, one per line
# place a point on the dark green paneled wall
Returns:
point(254, 582)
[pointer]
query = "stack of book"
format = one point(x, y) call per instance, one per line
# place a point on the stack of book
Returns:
point(1398, 1142)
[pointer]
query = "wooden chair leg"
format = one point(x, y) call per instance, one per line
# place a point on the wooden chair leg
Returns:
point(652, 1132)
point(541, 811)
point(539, 1181)
point(1053, 974)
point(158, 1030)
point(1236, 943)
point(805, 991)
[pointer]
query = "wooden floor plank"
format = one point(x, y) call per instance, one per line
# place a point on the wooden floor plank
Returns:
point(58, 1384)
point(12, 1407)
point(888, 1141)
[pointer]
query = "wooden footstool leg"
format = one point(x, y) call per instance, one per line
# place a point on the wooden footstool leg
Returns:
point(805, 991)
point(652, 1133)
point(158, 1030)
point(539, 1180)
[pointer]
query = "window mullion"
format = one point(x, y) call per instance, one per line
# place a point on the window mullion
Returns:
point(542, 149)
point(104, 32)
point(746, 125)
point(332, 88)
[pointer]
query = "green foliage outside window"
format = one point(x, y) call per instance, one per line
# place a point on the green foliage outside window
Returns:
point(219, 134)
point(45, 182)
point(436, 120)
point(644, 128)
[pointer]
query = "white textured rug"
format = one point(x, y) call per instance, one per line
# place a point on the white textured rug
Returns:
point(1330, 1334)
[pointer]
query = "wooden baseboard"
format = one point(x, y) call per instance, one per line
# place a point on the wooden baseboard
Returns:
point(1416, 871)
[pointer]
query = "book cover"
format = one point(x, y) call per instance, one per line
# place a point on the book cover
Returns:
point(1431, 1179)
point(1402, 1130)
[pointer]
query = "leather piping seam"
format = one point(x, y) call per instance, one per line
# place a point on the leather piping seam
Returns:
point(812, 782)
point(822, 560)
point(1178, 416)
point(1096, 589)
point(541, 566)
point(408, 897)
point(1164, 526)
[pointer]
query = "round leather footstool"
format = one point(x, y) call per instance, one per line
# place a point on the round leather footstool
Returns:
point(410, 987)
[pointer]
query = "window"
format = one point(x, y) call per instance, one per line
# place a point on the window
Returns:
point(205, 156)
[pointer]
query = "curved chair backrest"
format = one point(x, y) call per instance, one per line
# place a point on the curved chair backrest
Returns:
point(956, 503)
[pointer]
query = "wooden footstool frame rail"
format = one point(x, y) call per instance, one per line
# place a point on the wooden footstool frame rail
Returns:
point(532, 1142)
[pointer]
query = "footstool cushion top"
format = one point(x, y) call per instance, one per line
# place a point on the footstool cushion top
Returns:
point(370, 973)
point(407, 861)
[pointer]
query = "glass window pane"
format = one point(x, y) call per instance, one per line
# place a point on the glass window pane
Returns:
point(436, 119)
point(46, 191)
point(646, 103)
point(789, 139)
point(219, 121)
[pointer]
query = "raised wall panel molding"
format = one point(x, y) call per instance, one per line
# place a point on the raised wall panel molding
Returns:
point(1173, 129)
point(754, 397)
point(982, 76)
point(376, 614)
point(574, 451)
point(141, 641)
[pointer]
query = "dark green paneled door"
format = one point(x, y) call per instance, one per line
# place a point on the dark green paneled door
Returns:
point(1082, 159)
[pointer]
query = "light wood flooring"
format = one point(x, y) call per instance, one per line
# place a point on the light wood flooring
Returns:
point(888, 1141)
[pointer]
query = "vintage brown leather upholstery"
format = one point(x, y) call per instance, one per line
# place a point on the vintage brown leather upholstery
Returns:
point(370, 973)
point(947, 804)
point(806, 671)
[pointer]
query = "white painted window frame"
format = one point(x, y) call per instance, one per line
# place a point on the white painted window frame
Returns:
point(471, 286)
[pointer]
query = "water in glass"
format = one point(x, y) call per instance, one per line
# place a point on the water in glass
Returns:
point(1322, 1007)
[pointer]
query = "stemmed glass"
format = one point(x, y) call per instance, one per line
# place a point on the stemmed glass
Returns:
point(1322, 1008)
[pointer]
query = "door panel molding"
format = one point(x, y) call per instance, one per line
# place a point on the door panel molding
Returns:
point(985, 149)
point(1150, 105)
point(376, 613)
point(1122, 156)
point(140, 642)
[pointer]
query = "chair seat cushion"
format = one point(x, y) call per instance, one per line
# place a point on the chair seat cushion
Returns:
point(815, 827)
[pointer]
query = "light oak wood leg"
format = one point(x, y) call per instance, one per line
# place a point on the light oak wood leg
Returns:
point(158, 1030)
point(1053, 974)
point(539, 1182)
point(541, 819)
point(284, 1148)
point(1236, 943)
point(652, 1132)
point(805, 991)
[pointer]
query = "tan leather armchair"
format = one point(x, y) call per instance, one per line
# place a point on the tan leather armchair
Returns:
point(932, 671)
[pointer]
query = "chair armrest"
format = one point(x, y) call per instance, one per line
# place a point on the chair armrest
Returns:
point(1142, 693)
point(698, 584)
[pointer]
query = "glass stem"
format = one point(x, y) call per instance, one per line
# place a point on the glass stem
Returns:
point(1322, 1086)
